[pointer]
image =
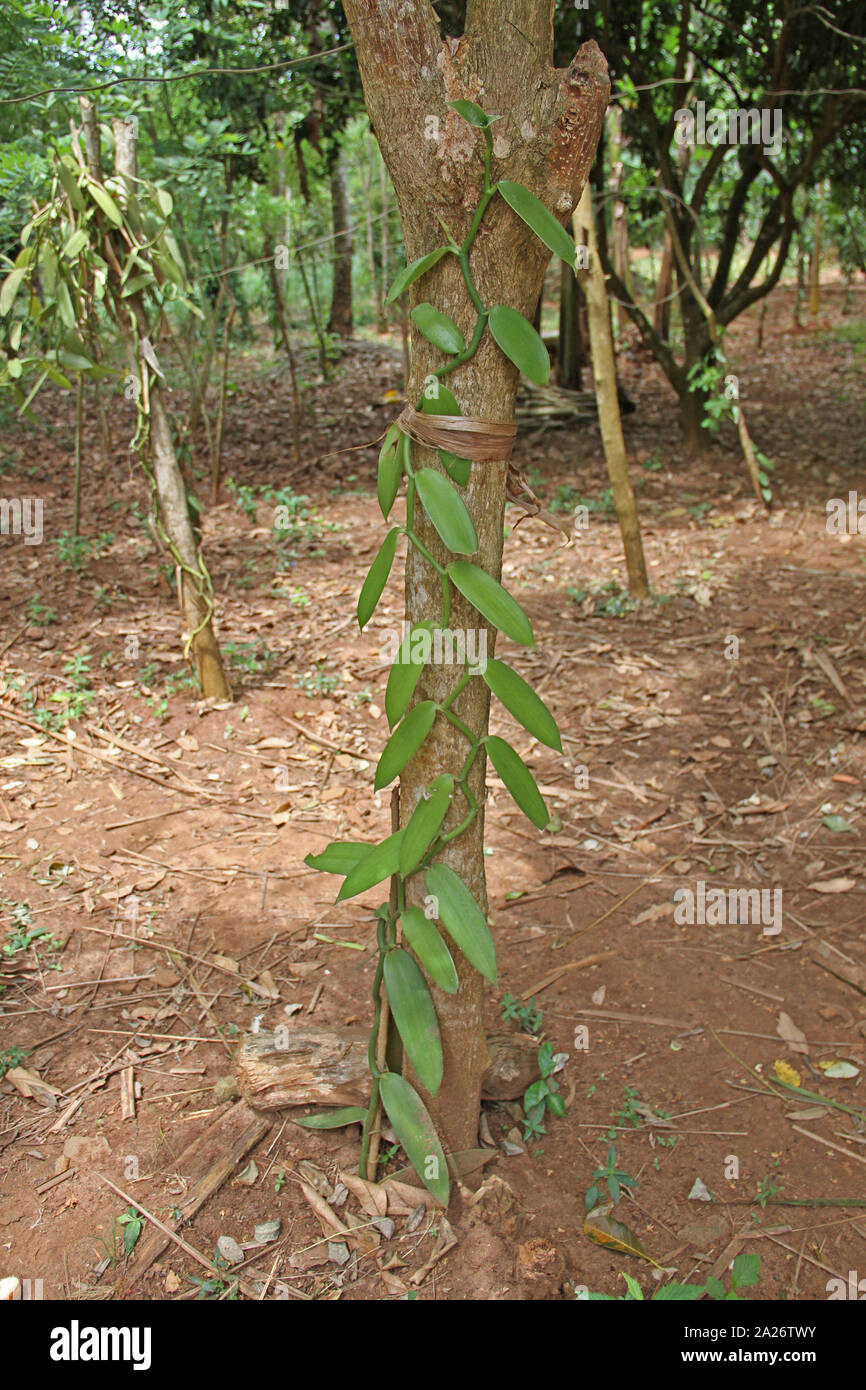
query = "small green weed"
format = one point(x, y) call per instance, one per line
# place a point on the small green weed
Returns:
point(745, 1273)
point(77, 551)
point(526, 1016)
point(39, 613)
point(608, 1173)
point(12, 1057)
point(543, 1095)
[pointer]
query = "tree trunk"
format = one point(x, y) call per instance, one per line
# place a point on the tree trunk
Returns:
point(340, 320)
point(282, 323)
point(604, 376)
point(697, 344)
point(79, 439)
point(662, 308)
point(545, 139)
point(815, 268)
point(377, 289)
point(170, 487)
point(216, 462)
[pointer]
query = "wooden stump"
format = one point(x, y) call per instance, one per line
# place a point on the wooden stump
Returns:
point(321, 1065)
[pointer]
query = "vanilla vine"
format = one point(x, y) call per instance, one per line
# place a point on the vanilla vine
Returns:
point(416, 848)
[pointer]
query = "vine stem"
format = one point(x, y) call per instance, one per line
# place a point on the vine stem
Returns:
point(373, 1122)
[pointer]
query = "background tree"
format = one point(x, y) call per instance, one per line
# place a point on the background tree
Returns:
point(801, 60)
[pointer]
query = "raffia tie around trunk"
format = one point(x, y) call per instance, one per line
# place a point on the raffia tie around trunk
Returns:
point(482, 441)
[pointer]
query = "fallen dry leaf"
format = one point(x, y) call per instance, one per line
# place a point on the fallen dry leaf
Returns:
point(791, 1034)
point(834, 885)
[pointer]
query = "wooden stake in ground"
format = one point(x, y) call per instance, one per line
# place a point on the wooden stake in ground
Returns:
point(604, 376)
point(131, 318)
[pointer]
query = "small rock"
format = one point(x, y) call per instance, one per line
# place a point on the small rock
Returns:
point(339, 1195)
point(338, 1252)
point(385, 1226)
point(229, 1250)
point(267, 1231)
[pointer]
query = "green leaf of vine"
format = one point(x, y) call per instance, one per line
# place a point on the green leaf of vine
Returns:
point(10, 288)
point(521, 701)
point(404, 674)
point(410, 273)
point(472, 113)
point(487, 595)
point(391, 464)
point(442, 403)
point(521, 344)
point(438, 328)
point(424, 823)
point(339, 857)
point(334, 1119)
point(106, 202)
point(430, 949)
point(518, 780)
point(377, 865)
point(415, 1017)
point(414, 1128)
point(462, 918)
point(377, 578)
point(447, 510)
point(70, 186)
point(405, 741)
point(456, 467)
point(539, 218)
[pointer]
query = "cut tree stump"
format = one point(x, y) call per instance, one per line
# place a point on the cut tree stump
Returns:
point(320, 1065)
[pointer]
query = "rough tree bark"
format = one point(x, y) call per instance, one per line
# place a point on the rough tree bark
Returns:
point(171, 491)
point(545, 139)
